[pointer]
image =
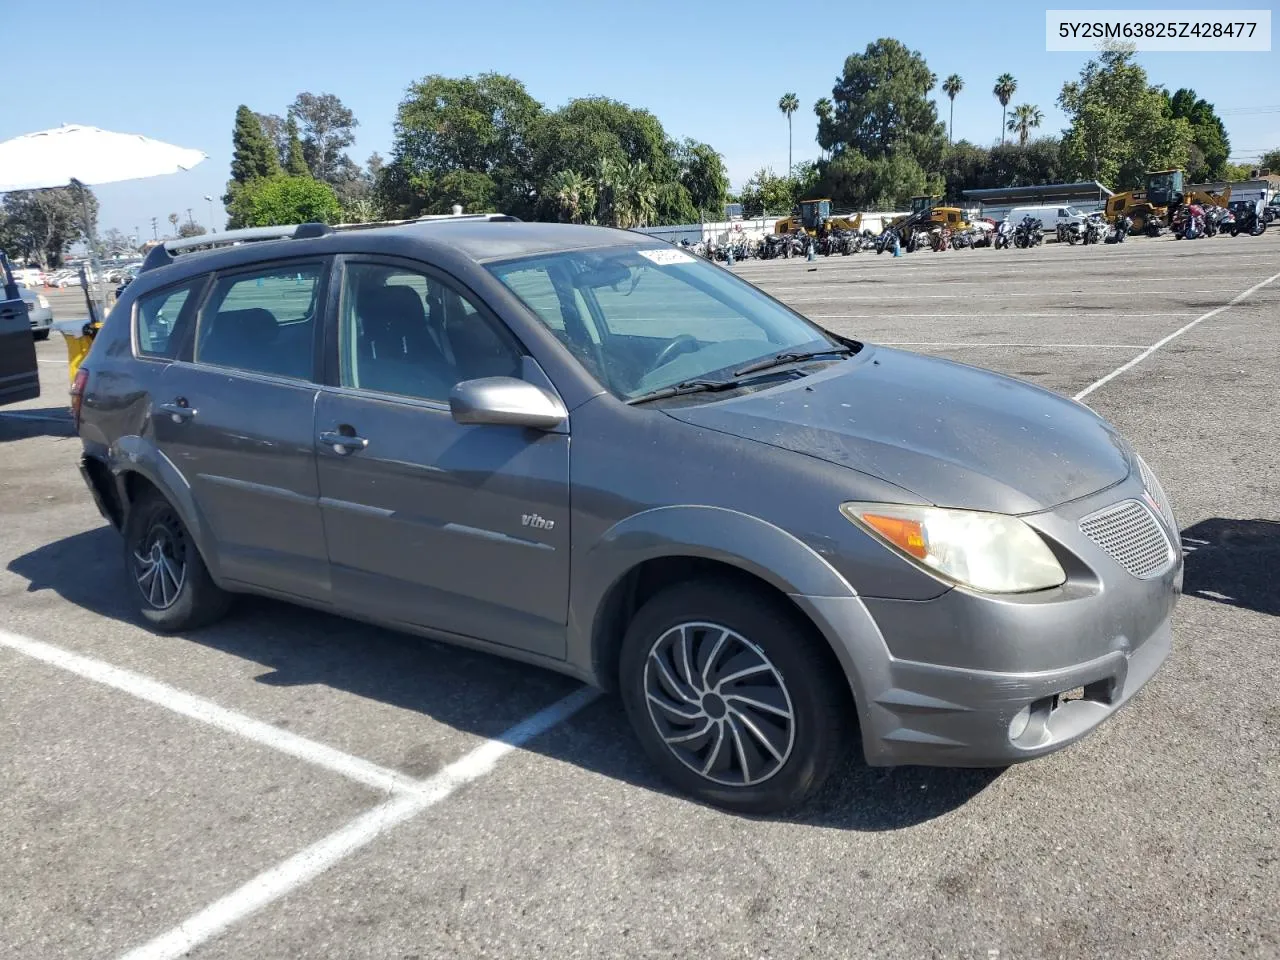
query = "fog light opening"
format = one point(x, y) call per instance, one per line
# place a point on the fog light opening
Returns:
point(1018, 726)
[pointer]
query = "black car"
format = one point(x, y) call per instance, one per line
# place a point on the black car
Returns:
point(19, 374)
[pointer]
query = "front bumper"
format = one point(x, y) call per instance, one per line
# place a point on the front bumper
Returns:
point(973, 680)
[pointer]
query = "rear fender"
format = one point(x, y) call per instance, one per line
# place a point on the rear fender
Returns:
point(138, 455)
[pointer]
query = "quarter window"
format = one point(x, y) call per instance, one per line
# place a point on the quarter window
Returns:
point(263, 322)
point(157, 320)
point(408, 333)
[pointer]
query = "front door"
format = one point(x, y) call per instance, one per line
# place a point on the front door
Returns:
point(236, 417)
point(463, 529)
point(19, 373)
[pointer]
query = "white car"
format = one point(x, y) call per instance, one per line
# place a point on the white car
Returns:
point(38, 312)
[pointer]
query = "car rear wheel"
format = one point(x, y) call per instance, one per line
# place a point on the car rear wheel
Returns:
point(168, 573)
point(731, 696)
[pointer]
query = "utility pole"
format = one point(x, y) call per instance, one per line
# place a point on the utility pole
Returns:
point(189, 218)
point(155, 231)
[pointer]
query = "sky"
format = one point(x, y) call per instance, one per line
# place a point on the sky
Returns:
point(711, 71)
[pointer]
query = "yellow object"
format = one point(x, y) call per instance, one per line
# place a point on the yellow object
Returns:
point(812, 214)
point(1159, 197)
point(929, 215)
point(79, 341)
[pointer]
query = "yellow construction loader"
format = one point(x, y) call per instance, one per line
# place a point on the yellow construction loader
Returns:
point(811, 215)
point(1160, 198)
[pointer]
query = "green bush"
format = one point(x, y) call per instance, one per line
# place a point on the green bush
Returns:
point(282, 199)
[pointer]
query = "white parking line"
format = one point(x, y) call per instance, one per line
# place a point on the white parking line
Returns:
point(969, 296)
point(308, 864)
point(1238, 298)
point(198, 708)
point(972, 316)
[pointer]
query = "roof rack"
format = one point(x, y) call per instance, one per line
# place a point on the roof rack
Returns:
point(162, 254)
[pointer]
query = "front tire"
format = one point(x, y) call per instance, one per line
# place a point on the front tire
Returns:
point(171, 581)
point(731, 696)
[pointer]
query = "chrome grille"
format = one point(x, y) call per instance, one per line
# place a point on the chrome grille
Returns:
point(1130, 534)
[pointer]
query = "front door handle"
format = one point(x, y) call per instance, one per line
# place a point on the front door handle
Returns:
point(343, 443)
point(179, 410)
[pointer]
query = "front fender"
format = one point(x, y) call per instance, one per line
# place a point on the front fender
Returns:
point(135, 454)
point(712, 533)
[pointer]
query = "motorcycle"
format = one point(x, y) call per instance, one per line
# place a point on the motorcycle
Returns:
point(1071, 232)
point(1029, 233)
point(1248, 219)
point(1119, 229)
point(1095, 229)
point(1154, 227)
point(1003, 235)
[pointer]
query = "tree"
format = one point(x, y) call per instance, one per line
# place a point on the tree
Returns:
point(824, 110)
point(1270, 161)
point(951, 87)
point(1003, 91)
point(114, 243)
point(252, 154)
point(41, 225)
point(1026, 117)
point(282, 199)
point(327, 129)
point(702, 174)
point(191, 229)
point(1121, 126)
point(767, 193)
point(173, 221)
point(789, 104)
point(275, 129)
point(1209, 147)
point(575, 194)
point(295, 165)
point(882, 105)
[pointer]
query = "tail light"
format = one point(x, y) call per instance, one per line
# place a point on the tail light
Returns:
point(77, 394)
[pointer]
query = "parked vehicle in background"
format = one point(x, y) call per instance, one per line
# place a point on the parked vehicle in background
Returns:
point(1005, 234)
point(1120, 228)
point(28, 276)
point(19, 372)
point(418, 387)
point(1049, 215)
point(39, 313)
point(1070, 231)
point(1029, 232)
point(1095, 228)
point(1249, 218)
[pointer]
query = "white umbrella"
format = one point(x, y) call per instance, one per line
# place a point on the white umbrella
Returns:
point(77, 154)
point(53, 158)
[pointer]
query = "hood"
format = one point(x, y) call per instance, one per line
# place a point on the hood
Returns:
point(954, 435)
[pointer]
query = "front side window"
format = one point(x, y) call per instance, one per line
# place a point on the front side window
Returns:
point(157, 319)
point(408, 333)
point(641, 320)
point(263, 322)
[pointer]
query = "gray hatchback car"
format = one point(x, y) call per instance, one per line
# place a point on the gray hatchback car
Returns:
point(596, 453)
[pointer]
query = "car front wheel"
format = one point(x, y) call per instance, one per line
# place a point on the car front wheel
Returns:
point(732, 696)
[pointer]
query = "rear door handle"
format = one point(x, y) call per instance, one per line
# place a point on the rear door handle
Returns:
point(178, 411)
point(342, 442)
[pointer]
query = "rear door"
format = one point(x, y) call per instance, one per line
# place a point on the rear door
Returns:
point(235, 414)
point(19, 372)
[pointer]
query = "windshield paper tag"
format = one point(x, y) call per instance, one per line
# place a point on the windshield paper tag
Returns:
point(664, 258)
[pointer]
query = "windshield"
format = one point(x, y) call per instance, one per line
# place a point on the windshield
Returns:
point(645, 319)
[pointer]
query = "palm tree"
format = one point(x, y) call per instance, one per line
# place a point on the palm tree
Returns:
point(1026, 117)
point(573, 193)
point(951, 86)
point(789, 104)
point(824, 111)
point(173, 219)
point(1003, 91)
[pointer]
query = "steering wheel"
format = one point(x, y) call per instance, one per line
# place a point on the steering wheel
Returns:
point(681, 344)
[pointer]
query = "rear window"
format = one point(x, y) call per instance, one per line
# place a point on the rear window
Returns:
point(157, 317)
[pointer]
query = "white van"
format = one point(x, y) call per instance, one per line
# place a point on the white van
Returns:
point(1049, 214)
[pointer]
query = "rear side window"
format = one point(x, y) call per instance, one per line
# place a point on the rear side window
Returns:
point(263, 322)
point(157, 319)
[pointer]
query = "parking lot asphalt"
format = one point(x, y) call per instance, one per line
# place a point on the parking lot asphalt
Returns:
point(156, 786)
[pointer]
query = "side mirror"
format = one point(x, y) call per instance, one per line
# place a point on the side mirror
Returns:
point(506, 400)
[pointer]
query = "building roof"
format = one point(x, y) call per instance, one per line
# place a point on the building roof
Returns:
point(1084, 190)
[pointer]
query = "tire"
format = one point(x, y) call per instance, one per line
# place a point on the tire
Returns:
point(40, 334)
point(727, 629)
point(161, 556)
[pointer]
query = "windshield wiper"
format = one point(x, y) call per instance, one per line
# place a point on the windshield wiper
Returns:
point(789, 356)
point(680, 389)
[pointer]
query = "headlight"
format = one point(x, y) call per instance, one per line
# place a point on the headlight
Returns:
point(1156, 493)
point(989, 552)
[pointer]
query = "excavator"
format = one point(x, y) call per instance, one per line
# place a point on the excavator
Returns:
point(925, 215)
point(811, 215)
point(1163, 193)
